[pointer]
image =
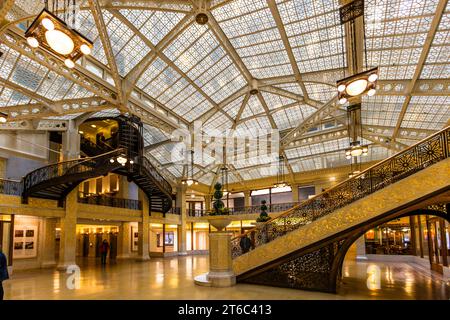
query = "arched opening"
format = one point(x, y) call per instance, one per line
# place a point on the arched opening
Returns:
point(407, 256)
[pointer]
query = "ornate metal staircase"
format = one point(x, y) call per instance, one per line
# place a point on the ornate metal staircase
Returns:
point(305, 247)
point(55, 181)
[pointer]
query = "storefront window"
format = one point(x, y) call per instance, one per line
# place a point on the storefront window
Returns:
point(163, 238)
point(391, 238)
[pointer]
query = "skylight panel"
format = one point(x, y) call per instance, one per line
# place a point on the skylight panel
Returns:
point(437, 64)
point(274, 101)
point(288, 118)
point(233, 107)
point(381, 110)
point(162, 82)
point(427, 112)
point(184, 41)
point(253, 107)
point(10, 97)
point(320, 92)
point(314, 32)
point(127, 47)
point(216, 60)
point(154, 25)
point(155, 68)
point(86, 26)
point(291, 87)
point(172, 91)
point(153, 135)
point(217, 122)
point(396, 32)
point(196, 111)
point(7, 61)
point(28, 73)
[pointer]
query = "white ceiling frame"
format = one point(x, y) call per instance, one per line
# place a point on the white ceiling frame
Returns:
point(276, 16)
point(423, 57)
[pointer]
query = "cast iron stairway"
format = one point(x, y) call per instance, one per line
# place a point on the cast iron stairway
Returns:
point(55, 181)
point(304, 247)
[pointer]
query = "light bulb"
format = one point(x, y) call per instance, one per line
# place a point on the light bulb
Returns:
point(341, 88)
point(373, 77)
point(342, 100)
point(69, 63)
point(48, 24)
point(2, 119)
point(348, 156)
point(356, 87)
point(59, 41)
point(371, 92)
point(111, 160)
point(85, 49)
point(131, 161)
point(32, 42)
point(356, 152)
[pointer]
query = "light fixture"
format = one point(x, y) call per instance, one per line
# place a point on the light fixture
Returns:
point(122, 160)
point(53, 34)
point(356, 85)
point(189, 181)
point(93, 126)
point(3, 117)
point(356, 150)
point(80, 132)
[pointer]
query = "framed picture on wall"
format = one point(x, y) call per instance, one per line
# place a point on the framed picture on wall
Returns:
point(134, 238)
point(25, 240)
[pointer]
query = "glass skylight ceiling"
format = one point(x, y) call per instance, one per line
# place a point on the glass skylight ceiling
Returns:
point(197, 75)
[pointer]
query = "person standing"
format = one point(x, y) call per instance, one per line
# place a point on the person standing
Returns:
point(104, 248)
point(3, 272)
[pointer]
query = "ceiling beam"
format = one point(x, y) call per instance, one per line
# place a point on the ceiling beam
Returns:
point(133, 76)
point(423, 57)
point(280, 25)
point(107, 47)
point(27, 92)
point(241, 109)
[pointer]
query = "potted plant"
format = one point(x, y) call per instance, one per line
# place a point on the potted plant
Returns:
point(260, 221)
point(263, 216)
point(218, 218)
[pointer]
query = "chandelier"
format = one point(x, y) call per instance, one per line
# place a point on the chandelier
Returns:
point(189, 181)
point(357, 85)
point(121, 160)
point(54, 34)
point(351, 88)
point(280, 174)
point(356, 150)
point(3, 117)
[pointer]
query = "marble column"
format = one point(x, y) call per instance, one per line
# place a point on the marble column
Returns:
point(68, 242)
point(48, 252)
point(247, 198)
point(181, 203)
point(71, 142)
point(207, 202)
point(295, 197)
point(124, 241)
point(143, 229)
point(361, 248)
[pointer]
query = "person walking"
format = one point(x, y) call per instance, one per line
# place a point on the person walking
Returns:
point(245, 243)
point(3, 272)
point(104, 248)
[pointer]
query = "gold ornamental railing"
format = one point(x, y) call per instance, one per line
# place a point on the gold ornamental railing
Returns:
point(411, 160)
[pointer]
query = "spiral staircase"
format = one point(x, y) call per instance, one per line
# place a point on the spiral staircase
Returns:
point(55, 181)
point(304, 248)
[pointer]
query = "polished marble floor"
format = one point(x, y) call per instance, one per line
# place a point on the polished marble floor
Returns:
point(172, 278)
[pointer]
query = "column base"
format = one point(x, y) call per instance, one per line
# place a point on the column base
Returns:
point(216, 279)
point(143, 259)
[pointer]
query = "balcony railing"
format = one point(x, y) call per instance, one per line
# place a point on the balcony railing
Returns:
point(10, 187)
point(102, 200)
point(256, 209)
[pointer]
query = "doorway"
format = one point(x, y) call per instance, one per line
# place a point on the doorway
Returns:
point(7, 236)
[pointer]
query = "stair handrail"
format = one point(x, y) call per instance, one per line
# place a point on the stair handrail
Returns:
point(159, 179)
point(443, 136)
point(66, 165)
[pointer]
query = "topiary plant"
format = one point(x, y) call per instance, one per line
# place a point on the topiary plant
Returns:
point(263, 216)
point(218, 204)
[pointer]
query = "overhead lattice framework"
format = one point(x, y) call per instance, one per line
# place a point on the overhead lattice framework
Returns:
point(153, 60)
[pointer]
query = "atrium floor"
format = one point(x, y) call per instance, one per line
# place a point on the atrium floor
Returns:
point(172, 278)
